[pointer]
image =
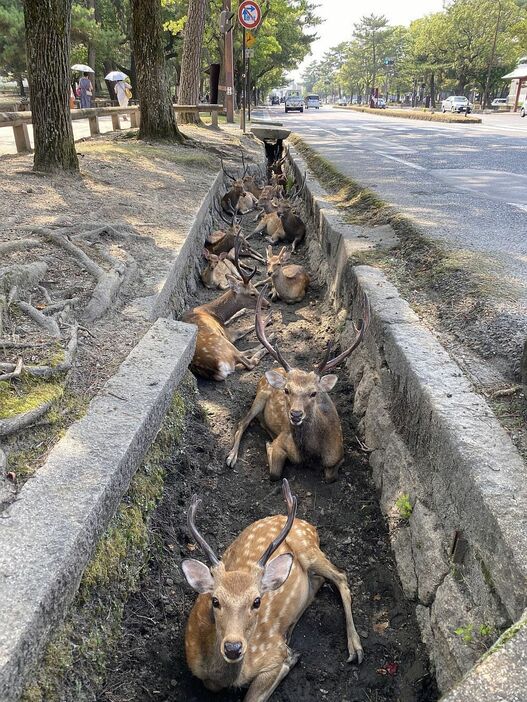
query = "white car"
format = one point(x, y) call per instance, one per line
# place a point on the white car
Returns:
point(293, 101)
point(499, 102)
point(342, 102)
point(456, 103)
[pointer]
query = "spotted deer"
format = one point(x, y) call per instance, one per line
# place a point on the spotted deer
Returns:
point(238, 198)
point(214, 275)
point(289, 282)
point(215, 356)
point(295, 408)
point(239, 629)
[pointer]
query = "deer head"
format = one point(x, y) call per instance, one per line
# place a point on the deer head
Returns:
point(212, 259)
point(275, 261)
point(235, 596)
point(302, 388)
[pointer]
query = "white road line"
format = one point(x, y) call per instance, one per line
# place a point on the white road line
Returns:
point(523, 208)
point(400, 160)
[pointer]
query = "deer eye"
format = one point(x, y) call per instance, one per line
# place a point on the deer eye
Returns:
point(215, 603)
point(314, 394)
point(286, 391)
point(256, 603)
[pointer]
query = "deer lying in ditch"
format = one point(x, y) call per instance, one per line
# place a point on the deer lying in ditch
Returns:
point(215, 356)
point(248, 605)
point(282, 225)
point(295, 408)
point(220, 241)
point(289, 282)
point(215, 274)
point(237, 198)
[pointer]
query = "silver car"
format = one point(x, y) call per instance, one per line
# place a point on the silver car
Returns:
point(456, 103)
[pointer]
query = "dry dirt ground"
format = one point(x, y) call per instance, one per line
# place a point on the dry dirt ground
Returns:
point(129, 212)
point(150, 664)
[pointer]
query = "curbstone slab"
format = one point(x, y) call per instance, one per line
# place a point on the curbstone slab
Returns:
point(49, 534)
point(463, 469)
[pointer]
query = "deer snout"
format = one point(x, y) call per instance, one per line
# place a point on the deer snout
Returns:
point(233, 650)
point(296, 417)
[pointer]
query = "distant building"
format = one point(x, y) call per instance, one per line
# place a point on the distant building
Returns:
point(518, 78)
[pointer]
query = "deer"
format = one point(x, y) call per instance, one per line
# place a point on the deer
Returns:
point(295, 408)
point(248, 603)
point(237, 198)
point(289, 282)
point(214, 275)
point(220, 241)
point(215, 356)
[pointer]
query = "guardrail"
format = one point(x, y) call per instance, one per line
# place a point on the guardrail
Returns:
point(18, 121)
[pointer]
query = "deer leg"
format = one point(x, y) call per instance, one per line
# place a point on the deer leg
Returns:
point(240, 334)
point(259, 229)
point(263, 685)
point(257, 408)
point(324, 567)
point(250, 362)
point(236, 316)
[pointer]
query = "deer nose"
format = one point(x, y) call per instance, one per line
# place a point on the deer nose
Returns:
point(233, 649)
point(296, 416)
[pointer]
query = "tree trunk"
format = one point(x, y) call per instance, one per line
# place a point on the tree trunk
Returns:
point(48, 53)
point(432, 90)
point(191, 60)
point(157, 115)
point(21, 88)
point(91, 46)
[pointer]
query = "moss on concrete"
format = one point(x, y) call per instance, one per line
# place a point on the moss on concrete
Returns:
point(74, 665)
point(507, 636)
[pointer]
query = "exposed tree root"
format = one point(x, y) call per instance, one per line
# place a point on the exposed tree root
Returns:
point(24, 420)
point(60, 305)
point(23, 276)
point(48, 324)
point(49, 371)
point(15, 373)
point(19, 245)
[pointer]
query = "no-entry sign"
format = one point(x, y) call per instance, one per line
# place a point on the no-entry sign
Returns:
point(249, 14)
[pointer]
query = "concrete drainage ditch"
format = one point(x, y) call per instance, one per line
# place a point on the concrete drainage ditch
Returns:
point(454, 511)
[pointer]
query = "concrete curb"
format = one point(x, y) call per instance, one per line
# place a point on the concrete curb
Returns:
point(49, 534)
point(171, 297)
point(462, 555)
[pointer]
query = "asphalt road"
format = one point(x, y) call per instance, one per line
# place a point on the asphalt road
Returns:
point(465, 185)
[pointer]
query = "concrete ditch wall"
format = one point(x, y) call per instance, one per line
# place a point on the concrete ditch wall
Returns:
point(451, 484)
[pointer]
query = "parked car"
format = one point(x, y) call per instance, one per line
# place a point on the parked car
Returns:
point(523, 110)
point(312, 101)
point(342, 101)
point(275, 100)
point(499, 102)
point(293, 101)
point(456, 103)
point(381, 102)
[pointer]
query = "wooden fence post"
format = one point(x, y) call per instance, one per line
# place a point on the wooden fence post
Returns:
point(23, 145)
point(135, 119)
point(116, 122)
point(94, 125)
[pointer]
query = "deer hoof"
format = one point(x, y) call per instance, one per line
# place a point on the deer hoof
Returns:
point(232, 458)
point(357, 656)
point(331, 474)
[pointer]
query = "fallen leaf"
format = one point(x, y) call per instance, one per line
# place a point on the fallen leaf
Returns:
point(376, 597)
point(380, 627)
point(191, 547)
point(388, 669)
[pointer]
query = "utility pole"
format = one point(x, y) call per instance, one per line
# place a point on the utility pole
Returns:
point(229, 65)
point(244, 83)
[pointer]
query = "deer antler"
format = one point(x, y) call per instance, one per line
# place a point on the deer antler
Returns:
point(191, 516)
point(291, 501)
point(260, 332)
point(246, 277)
point(226, 173)
point(245, 167)
point(326, 364)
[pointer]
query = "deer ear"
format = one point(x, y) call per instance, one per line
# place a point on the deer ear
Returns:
point(206, 254)
point(198, 575)
point(327, 382)
point(276, 572)
point(269, 251)
point(223, 255)
point(275, 380)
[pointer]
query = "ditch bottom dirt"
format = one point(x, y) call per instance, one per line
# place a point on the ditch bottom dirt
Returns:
point(150, 664)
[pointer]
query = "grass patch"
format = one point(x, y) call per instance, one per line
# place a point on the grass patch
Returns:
point(26, 395)
point(75, 662)
point(404, 506)
point(416, 114)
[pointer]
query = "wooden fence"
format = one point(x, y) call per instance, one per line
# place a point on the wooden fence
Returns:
point(18, 121)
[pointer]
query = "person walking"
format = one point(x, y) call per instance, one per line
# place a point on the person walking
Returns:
point(85, 91)
point(123, 90)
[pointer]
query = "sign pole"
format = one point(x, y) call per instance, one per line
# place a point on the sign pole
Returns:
point(244, 83)
point(249, 89)
point(229, 69)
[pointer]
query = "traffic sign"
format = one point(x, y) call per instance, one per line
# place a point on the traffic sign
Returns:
point(250, 40)
point(249, 14)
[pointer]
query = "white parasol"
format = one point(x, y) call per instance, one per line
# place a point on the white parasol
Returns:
point(116, 75)
point(81, 67)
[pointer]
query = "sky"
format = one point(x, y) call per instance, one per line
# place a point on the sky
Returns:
point(340, 15)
